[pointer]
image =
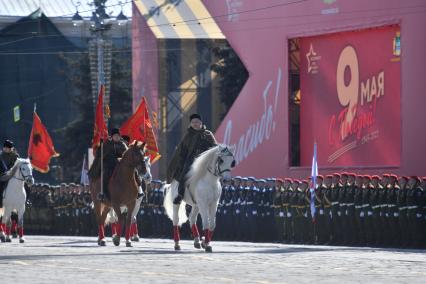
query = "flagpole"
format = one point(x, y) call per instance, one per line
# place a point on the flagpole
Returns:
point(101, 197)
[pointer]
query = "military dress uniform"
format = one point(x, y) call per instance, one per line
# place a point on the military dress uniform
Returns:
point(7, 160)
point(278, 213)
point(112, 151)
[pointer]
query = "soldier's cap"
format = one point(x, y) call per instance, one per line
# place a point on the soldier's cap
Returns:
point(296, 181)
point(251, 179)
point(279, 180)
point(416, 178)
point(115, 131)
point(366, 177)
point(244, 179)
point(329, 176)
point(288, 179)
point(345, 174)
point(351, 174)
point(393, 176)
point(195, 116)
point(375, 177)
point(320, 176)
point(8, 144)
point(404, 177)
point(385, 175)
point(336, 174)
point(305, 181)
point(261, 180)
point(73, 184)
point(237, 177)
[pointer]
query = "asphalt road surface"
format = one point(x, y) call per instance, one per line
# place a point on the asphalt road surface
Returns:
point(46, 259)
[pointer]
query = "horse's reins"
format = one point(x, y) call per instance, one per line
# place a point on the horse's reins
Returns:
point(24, 177)
point(217, 171)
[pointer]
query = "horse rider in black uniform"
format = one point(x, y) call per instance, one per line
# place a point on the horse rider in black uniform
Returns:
point(197, 140)
point(8, 157)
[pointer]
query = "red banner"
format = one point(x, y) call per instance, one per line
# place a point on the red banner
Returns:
point(350, 98)
point(40, 148)
point(100, 130)
point(139, 127)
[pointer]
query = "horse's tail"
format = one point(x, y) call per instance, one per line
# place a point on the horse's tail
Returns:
point(170, 193)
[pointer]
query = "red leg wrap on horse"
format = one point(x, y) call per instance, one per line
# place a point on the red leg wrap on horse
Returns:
point(176, 235)
point(127, 233)
point(101, 232)
point(20, 232)
point(114, 228)
point(7, 230)
point(118, 229)
point(14, 225)
point(206, 236)
point(210, 235)
point(135, 230)
point(194, 230)
point(2, 227)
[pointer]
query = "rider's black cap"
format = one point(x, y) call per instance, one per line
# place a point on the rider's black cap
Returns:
point(115, 131)
point(8, 144)
point(195, 115)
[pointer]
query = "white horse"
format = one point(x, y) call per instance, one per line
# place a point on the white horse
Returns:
point(202, 192)
point(15, 197)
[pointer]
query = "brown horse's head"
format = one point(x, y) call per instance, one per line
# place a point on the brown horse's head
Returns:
point(135, 156)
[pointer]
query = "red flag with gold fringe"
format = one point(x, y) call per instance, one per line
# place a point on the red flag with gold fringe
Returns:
point(40, 148)
point(139, 127)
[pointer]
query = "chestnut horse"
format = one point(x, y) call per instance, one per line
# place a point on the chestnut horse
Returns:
point(123, 191)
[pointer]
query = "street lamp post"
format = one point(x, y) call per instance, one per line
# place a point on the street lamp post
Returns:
point(100, 24)
point(99, 46)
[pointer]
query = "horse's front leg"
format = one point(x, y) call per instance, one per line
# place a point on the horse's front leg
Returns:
point(6, 224)
point(194, 229)
point(129, 218)
point(134, 232)
point(176, 233)
point(118, 226)
point(21, 224)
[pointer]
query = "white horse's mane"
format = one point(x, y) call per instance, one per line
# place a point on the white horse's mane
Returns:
point(201, 163)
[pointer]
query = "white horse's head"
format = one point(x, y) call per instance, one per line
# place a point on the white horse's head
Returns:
point(225, 161)
point(25, 171)
point(147, 176)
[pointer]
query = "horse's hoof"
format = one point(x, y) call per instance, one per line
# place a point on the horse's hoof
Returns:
point(177, 247)
point(102, 242)
point(135, 239)
point(8, 239)
point(197, 245)
point(21, 240)
point(15, 236)
point(116, 240)
point(2, 237)
point(203, 245)
point(208, 248)
point(128, 244)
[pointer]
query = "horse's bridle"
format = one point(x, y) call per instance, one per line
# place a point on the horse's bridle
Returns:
point(20, 170)
point(217, 170)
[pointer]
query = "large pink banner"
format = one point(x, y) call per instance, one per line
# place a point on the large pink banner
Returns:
point(350, 98)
